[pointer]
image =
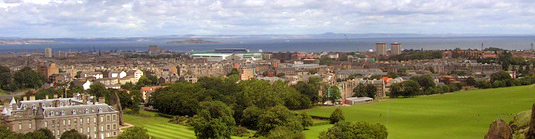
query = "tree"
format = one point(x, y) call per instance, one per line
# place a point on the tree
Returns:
point(306, 119)
point(72, 134)
point(309, 89)
point(358, 130)
point(5, 78)
point(391, 75)
point(336, 116)
point(407, 89)
point(135, 132)
point(313, 71)
point(28, 78)
point(250, 117)
point(234, 71)
point(499, 76)
point(471, 81)
point(42, 133)
point(362, 90)
point(425, 81)
point(98, 90)
point(282, 132)
point(213, 120)
point(334, 94)
point(278, 116)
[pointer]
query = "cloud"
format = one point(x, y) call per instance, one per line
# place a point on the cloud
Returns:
point(102, 18)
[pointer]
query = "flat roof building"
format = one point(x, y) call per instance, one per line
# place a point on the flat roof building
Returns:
point(396, 48)
point(380, 49)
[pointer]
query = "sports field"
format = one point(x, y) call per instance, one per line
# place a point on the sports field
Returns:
point(465, 114)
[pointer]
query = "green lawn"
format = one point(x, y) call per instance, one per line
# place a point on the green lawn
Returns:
point(160, 128)
point(465, 114)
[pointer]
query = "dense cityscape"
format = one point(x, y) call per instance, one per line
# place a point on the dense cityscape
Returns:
point(256, 69)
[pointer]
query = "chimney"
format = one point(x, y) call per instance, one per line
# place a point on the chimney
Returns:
point(56, 103)
point(32, 98)
point(101, 100)
point(55, 96)
point(46, 97)
point(24, 98)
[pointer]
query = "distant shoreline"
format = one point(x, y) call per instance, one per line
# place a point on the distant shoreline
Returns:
point(22, 42)
point(191, 41)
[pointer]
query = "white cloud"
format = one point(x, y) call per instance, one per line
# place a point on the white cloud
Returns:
point(93, 18)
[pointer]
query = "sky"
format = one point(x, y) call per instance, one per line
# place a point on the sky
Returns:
point(139, 18)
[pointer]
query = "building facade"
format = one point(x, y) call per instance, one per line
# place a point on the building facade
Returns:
point(47, 69)
point(48, 52)
point(396, 48)
point(90, 118)
point(380, 49)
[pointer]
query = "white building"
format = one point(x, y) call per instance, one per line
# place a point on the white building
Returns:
point(48, 52)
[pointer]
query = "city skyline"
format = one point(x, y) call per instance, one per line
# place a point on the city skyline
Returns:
point(50, 19)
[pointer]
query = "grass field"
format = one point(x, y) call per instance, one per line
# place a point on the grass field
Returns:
point(160, 128)
point(465, 114)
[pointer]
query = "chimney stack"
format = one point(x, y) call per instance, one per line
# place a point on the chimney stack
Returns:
point(32, 98)
point(46, 97)
point(55, 96)
point(24, 98)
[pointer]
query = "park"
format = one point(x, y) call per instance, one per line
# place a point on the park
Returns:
point(462, 114)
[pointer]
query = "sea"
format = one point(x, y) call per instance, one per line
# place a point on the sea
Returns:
point(283, 45)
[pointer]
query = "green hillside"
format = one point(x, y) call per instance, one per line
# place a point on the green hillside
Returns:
point(465, 114)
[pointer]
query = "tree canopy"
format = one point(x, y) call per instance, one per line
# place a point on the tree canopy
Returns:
point(357, 130)
point(336, 116)
point(135, 132)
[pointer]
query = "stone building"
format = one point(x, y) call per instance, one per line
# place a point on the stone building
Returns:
point(83, 113)
point(47, 69)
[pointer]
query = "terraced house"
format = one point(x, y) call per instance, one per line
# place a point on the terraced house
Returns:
point(83, 113)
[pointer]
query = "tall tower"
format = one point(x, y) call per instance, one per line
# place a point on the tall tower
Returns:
point(380, 48)
point(48, 52)
point(396, 48)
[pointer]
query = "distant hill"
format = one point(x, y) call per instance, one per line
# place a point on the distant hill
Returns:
point(189, 41)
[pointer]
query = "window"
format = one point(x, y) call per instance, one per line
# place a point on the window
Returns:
point(63, 122)
point(101, 128)
point(81, 130)
point(101, 119)
point(88, 130)
point(95, 119)
point(46, 124)
point(20, 126)
point(69, 122)
point(115, 133)
point(88, 120)
point(114, 126)
point(95, 129)
point(107, 118)
point(82, 121)
point(114, 117)
point(30, 125)
point(108, 127)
